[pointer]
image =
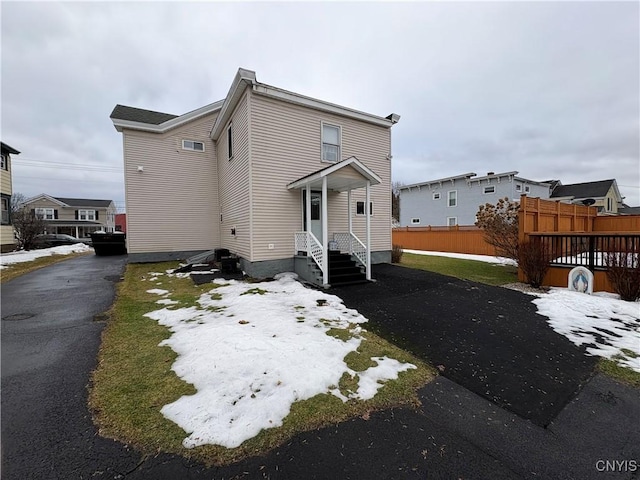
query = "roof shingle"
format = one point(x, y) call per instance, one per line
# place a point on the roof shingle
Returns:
point(583, 190)
point(122, 112)
point(84, 202)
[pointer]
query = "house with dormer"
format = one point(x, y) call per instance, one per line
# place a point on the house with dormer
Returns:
point(284, 181)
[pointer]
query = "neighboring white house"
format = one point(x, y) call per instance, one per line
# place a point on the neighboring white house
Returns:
point(245, 173)
point(455, 200)
point(78, 217)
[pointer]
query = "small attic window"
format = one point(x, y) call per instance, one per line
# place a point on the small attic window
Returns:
point(192, 145)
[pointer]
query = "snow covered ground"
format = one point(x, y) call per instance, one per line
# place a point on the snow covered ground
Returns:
point(19, 257)
point(465, 256)
point(253, 349)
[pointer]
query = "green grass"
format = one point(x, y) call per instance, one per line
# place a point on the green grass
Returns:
point(481, 272)
point(14, 270)
point(616, 371)
point(134, 379)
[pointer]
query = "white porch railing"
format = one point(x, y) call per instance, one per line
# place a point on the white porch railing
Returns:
point(349, 243)
point(307, 242)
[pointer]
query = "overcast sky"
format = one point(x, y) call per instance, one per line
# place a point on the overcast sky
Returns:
point(548, 89)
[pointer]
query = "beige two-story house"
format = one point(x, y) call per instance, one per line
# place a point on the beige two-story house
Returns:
point(78, 217)
point(602, 194)
point(7, 238)
point(279, 179)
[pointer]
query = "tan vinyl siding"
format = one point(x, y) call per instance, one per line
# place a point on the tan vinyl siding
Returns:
point(5, 178)
point(172, 205)
point(6, 235)
point(234, 187)
point(285, 146)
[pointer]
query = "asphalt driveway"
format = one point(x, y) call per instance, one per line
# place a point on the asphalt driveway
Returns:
point(50, 339)
point(488, 339)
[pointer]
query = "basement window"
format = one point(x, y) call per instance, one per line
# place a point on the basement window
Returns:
point(491, 189)
point(415, 220)
point(436, 195)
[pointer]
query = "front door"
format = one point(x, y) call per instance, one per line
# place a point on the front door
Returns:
point(316, 213)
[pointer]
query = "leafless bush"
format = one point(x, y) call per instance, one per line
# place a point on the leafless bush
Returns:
point(534, 258)
point(396, 253)
point(623, 271)
point(499, 223)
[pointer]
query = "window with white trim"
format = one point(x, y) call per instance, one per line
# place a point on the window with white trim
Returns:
point(453, 198)
point(360, 208)
point(230, 140)
point(609, 204)
point(331, 136)
point(4, 164)
point(490, 189)
point(518, 187)
point(415, 220)
point(452, 221)
point(5, 211)
point(46, 213)
point(526, 189)
point(193, 145)
point(436, 195)
point(87, 215)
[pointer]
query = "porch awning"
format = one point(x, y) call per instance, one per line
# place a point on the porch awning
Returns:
point(346, 175)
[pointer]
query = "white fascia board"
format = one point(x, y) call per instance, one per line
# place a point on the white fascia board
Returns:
point(532, 182)
point(496, 176)
point(439, 181)
point(353, 161)
point(242, 79)
point(44, 196)
point(169, 124)
point(284, 95)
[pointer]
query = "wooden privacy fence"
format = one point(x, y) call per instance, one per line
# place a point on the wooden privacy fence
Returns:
point(458, 239)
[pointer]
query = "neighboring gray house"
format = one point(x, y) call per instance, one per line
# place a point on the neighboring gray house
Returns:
point(602, 194)
point(455, 200)
point(245, 173)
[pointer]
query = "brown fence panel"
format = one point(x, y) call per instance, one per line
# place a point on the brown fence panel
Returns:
point(619, 223)
point(459, 239)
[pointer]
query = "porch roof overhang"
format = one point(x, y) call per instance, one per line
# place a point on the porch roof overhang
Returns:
point(337, 178)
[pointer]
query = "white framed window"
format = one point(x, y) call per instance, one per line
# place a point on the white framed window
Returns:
point(46, 213)
point(490, 189)
point(609, 205)
point(360, 208)
point(436, 195)
point(331, 141)
point(415, 220)
point(452, 221)
point(526, 189)
point(518, 187)
point(230, 140)
point(4, 165)
point(5, 211)
point(193, 145)
point(87, 215)
point(453, 198)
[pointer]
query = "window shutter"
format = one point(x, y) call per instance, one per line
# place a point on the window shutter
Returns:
point(55, 214)
point(76, 214)
point(97, 215)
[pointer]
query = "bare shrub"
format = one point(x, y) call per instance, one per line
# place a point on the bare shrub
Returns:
point(499, 223)
point(623, 271)
point(396, 253)
point(534, 258)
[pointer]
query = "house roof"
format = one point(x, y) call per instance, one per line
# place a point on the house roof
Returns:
point(84, 202)
point(337, 182)
point(471, 177)
point(439, 181)
point(584, 190)
point(122, 112)
point(8, 148)
point(629, 210)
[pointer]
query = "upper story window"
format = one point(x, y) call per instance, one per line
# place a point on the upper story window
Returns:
point(4, 162)
point(230, 140)
point(518, 187)
point(331, 136)
point(526, 189)
point(491, 189)
point(436, 195)
point(453, 198)
point(46, 213)
point(87, 215)
point(192, 145)
point(360, 208)
point(609, 204)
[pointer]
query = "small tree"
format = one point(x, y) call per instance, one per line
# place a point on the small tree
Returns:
point(623, 271)
point(534, 260)
point(395, 200)
point(26, 224)
point(500, 225)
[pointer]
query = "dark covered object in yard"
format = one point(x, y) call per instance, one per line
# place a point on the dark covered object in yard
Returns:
point(487, 339)
point(109, 243)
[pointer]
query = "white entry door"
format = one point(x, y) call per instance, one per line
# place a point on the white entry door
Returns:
point(316, 213)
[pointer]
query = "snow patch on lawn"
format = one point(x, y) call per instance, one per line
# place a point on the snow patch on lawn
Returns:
point(28, 256)
point(602, 322)
point(465, 256)
point(253, 349)
point(158, 291)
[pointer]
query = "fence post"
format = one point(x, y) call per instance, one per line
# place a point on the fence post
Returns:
point(592, 245)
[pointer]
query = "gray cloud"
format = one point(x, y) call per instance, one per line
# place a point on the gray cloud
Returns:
point(548, 89)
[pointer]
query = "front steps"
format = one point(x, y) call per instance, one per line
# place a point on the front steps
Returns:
point(343, 270)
